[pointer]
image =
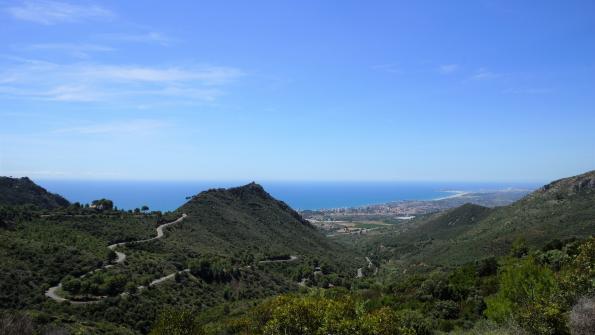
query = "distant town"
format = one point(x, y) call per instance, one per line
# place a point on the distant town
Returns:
point(360, 220)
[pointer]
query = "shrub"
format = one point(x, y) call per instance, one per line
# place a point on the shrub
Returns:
point(176, 322)
point(519, 248)
point(487, 267)
point(528, 294)
point(446, 309)
point(384, 322)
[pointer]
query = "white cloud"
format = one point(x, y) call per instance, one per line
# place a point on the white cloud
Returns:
point(485, 74)
point(448, 68)
point(125, 127)
point(100, 82)
point(71, 93)
point(149, 37)
point(211, 75)
point(52, 12)
point(79, 50)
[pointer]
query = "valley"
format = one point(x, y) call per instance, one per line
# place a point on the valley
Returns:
point(233, 261)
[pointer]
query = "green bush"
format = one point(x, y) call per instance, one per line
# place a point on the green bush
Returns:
point(528, 294)
point(176, 322)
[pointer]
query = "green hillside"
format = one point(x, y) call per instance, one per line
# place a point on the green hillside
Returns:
point(242, 262)
point(248, 220)
point(560, 210)
point(237, 245)
point(23, 191)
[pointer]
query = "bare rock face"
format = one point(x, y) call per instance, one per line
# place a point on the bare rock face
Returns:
point(581, 184)
point(586, 184)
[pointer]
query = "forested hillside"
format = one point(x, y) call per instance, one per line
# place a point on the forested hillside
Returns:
point(238, 261)
point(233, 248)
point(23, 191)
point(560, 210)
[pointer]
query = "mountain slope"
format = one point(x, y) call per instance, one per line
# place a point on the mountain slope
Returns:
point(236, 245)
point(562, 209)
point(23, 191)
point(248, 219)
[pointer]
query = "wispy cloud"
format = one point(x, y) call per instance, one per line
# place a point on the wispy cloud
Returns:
point(86, 82)
point(52, 12)
point(485, 74)
point(448, 68)
point(69, 47)
point(210, 75)
point(127, 127)
point(149, 37)
point(79, 50)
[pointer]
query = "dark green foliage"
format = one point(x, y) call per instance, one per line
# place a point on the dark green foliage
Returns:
point(334, 313)
point(39, 251)
point(211, 269)
point(9, 215)
point(447, 275)
point(523, 286)
point(528, 298)
point(487, 267)
point(519, 248)
point(223, 239)
point(23, 191)
point(103, 204)
point(176, 322)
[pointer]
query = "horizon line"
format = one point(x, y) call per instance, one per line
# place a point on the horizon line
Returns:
point(259, 181)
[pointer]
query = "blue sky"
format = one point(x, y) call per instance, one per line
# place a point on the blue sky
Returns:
point(297, 90)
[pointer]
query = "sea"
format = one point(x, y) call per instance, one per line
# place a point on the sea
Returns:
point(169, 195)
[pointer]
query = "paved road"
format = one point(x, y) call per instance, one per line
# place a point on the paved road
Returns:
point(291, 259)
point(52, 292)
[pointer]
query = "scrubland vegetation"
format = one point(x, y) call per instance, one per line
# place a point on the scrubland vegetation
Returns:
point(245, 263)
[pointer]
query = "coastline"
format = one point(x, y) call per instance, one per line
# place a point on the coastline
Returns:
point(456, 194)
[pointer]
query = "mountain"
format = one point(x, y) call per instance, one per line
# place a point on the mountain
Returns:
point(248, 219)
point(234, 246)
point(562, 209)
point(23, 191)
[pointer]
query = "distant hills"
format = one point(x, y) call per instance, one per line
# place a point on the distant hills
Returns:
point(23, 191)
point(562, 209)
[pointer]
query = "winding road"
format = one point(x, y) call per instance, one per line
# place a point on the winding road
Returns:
point(52, 292)
point(291, 259)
